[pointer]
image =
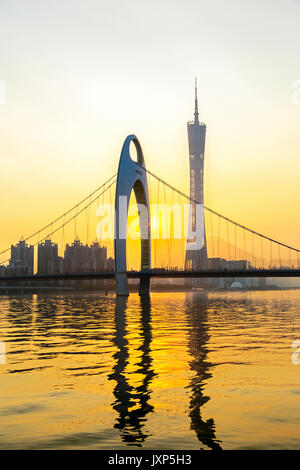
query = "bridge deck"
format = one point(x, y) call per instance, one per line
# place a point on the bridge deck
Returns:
point(158, 274)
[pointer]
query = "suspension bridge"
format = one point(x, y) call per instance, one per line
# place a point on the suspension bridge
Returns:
point(144, 224)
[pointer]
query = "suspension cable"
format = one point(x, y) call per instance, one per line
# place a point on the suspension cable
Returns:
point(218, 214)
point(60, 217)
point(71, 218)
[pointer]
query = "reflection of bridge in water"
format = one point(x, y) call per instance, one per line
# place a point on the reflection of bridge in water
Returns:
point(233, 250)
point(47, 330)
point(133, 402)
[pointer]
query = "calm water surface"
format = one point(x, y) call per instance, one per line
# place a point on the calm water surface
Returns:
point(179, 370)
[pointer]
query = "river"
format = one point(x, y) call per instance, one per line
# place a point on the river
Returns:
point(173, 371)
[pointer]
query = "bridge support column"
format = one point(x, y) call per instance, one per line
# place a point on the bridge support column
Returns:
point(144, 284)
point(131, 176)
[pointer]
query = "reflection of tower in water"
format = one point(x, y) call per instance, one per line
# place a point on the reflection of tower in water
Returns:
point(132, 402)
point(196, 311)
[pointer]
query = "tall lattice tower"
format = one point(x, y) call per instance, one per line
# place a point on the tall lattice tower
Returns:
point(196, 259)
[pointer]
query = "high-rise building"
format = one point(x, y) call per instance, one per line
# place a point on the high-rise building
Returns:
point(48, 260)
point(196, 258)
point(4, 271)
point(98, 256)
point(21, 259)
point(76, 257)
point(84, 258)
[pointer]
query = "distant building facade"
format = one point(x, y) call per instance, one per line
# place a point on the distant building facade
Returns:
point(84, 258)
point(3, 271)
point(48, 260)
point(110, 264)
point(21, 259)
point(221, 264)
point(78, 257)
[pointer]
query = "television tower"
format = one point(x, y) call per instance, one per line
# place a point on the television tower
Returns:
point(196, 258)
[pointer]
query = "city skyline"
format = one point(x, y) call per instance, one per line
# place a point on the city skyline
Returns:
point(46, 259)
point(164, 228)
point(63, 124)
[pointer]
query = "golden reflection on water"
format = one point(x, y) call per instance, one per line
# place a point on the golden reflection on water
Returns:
point(173, 370)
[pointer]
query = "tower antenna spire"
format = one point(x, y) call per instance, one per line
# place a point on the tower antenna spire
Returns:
point(196, 114)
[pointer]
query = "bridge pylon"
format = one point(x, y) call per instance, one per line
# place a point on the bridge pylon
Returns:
point(132, 176)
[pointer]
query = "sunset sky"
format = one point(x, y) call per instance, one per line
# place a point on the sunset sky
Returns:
point(82, 75)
